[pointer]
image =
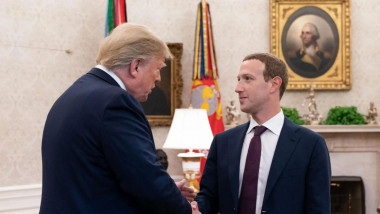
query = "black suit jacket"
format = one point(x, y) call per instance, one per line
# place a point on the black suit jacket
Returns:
point(99, 156)
point(298, 181)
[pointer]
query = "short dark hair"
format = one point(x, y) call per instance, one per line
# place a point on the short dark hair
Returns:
point(274, 66)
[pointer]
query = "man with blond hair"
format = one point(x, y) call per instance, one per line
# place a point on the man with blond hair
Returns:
point(98, 151)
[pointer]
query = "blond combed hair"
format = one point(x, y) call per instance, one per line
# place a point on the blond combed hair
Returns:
point(128, 42)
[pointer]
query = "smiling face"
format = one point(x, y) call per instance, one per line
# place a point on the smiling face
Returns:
point(253, 90)
point(147, 75)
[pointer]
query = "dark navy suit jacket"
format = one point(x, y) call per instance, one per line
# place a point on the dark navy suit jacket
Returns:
point(298, 181)
point(99, 156)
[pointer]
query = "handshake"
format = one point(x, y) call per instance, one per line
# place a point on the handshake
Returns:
point(189, 194)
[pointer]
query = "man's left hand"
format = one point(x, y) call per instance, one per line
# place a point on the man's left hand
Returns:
point(186, 191)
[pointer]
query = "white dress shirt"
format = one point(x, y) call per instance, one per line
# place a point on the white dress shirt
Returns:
point(268, 145)
point(113, 75)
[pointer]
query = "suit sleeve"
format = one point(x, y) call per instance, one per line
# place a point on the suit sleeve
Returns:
point(317, 200)
point(207, 198)
point(130, 152)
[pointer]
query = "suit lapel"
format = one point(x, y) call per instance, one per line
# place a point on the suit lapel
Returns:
point(235, 144)
point(285, 146)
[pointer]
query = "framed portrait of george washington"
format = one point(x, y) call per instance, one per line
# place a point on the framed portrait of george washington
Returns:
point(166, 96)
point(313, 38)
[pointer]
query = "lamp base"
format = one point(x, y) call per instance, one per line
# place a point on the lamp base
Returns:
point(191, 168)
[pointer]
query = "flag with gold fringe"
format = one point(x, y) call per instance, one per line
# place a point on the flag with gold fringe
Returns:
point(116, 15)
point(205, 90)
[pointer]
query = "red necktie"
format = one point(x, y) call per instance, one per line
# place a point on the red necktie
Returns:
point(248, 193)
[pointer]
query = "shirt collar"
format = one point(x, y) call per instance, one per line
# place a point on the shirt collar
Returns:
point(113, 75)
point(274, 124)
point(315, 46)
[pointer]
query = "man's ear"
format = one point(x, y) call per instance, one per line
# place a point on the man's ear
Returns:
point(276, 84)
point(133, 68)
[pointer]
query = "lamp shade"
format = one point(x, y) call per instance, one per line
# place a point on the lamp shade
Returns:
point(190, 129)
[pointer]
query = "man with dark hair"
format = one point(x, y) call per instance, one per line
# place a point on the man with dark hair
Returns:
point(268, 165)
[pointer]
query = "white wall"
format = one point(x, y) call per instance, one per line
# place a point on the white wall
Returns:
point(35, 69)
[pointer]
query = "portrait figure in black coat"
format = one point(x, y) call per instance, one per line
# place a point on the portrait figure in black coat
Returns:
point(310, 57)
point(310, 42)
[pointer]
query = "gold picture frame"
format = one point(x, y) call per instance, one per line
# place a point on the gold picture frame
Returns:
point(166, 96)
point(328, 66)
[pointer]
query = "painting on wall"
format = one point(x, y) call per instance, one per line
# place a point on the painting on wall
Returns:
point(313, 38)
point(166, 96)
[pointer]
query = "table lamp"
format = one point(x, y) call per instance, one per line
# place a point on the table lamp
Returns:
point(190, 129)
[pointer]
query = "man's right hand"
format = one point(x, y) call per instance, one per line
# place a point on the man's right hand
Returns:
point(194, 207)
